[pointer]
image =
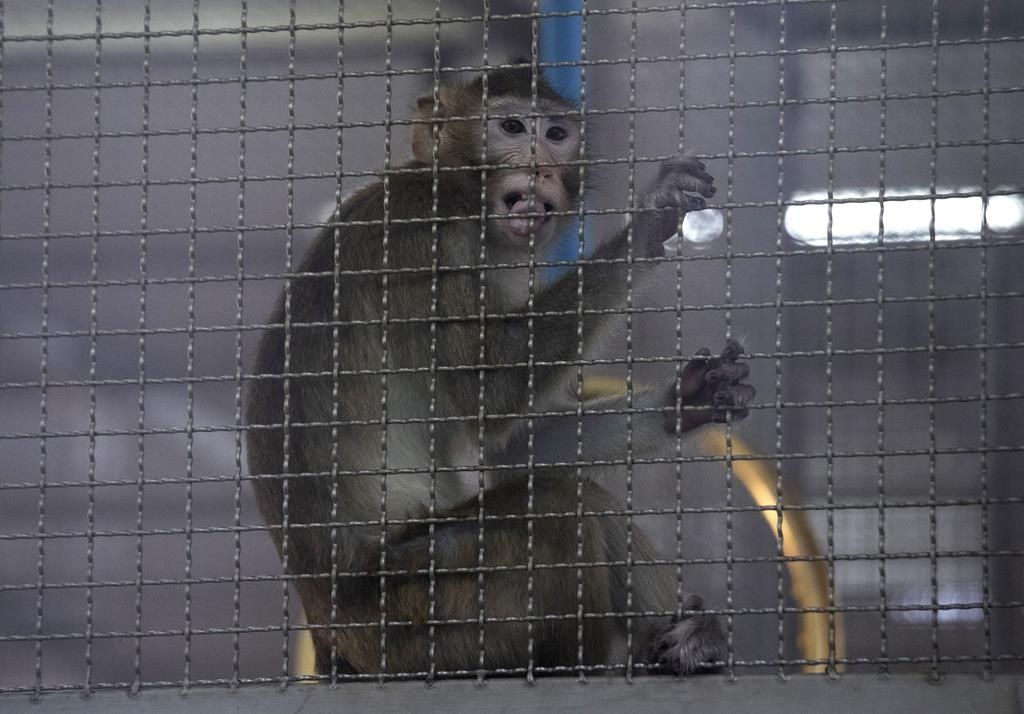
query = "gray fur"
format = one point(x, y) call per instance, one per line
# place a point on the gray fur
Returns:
point(336, 469)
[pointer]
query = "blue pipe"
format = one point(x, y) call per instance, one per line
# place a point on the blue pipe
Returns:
point(561, 40)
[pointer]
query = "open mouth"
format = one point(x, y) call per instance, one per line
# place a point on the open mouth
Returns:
point(518, 205)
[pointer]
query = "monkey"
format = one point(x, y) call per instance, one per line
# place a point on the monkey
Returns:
point(412, 414)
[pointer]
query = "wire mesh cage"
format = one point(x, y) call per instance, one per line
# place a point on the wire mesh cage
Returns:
point(167, 169)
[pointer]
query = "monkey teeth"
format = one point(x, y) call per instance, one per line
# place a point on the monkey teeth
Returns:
point(519, 204)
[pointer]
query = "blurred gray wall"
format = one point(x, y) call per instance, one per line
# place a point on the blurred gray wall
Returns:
point(731, 91)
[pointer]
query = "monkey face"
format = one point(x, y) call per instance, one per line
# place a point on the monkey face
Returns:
point(539, 182)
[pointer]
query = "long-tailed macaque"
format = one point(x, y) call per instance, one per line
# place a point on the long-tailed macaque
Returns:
point(433, 524)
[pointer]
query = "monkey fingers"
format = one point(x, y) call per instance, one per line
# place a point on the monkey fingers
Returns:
point(690, 172)
point(715, 382)
point(681, 186)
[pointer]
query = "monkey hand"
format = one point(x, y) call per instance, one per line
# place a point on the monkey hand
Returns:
point(691, 643)
point(715, 383)
point(681, 186)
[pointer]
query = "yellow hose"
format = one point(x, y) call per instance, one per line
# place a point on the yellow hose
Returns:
point(808, 578)
point(304, 659)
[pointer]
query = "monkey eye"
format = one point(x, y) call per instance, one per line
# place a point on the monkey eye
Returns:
point(556, 133)
point(513, 126)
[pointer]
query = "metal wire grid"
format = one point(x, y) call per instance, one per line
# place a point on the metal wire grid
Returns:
point(66, 501)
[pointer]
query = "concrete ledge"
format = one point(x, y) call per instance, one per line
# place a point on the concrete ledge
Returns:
point(754, 694)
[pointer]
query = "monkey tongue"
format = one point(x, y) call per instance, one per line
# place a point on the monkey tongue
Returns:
point(519, 224)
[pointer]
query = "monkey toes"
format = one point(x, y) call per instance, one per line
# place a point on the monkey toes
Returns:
point(691, 643)
point(715, 383)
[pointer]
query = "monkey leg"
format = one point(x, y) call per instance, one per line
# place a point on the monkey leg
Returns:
point(519, 573)
point(549, 590)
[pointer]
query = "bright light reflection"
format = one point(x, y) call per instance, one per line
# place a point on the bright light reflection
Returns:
point(906, 219)
point(920, 598)
point(700, 229)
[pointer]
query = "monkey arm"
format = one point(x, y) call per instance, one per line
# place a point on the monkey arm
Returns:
point(709, 390)
point(561, 319)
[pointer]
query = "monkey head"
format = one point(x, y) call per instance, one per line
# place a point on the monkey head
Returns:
point(531, 150)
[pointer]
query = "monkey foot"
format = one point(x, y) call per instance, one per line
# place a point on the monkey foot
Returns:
point(690, 644)
point(713, 382)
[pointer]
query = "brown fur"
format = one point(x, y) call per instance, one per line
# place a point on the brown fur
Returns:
point(316, 420)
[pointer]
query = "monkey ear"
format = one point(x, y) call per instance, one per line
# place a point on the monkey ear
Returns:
point(422, 133)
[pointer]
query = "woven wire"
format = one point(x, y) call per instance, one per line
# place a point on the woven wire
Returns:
point(888, 370)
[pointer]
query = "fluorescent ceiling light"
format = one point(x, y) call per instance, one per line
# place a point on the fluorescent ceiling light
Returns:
point(904, 218)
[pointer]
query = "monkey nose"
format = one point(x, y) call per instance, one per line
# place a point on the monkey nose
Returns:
point(545, 174)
